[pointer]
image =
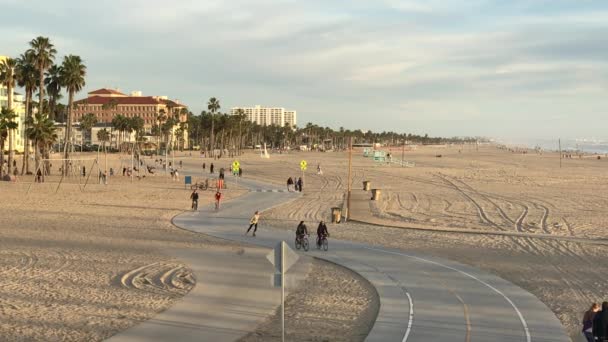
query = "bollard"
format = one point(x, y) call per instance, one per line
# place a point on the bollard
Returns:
point(336, 215)
point(367, 185)
point(376, 194)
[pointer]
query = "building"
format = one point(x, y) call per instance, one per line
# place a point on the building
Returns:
point(268, 116)
point(19, 108)
point(105, 104)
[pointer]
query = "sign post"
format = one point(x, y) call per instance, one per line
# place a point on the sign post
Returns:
point(303, 167)
point(282, 257)
point(235, 170)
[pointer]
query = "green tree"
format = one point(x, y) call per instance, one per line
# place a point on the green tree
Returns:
point(41, 130)
point(44, 54)
point(213, 106)
point(27, 77)
point(7, 126)
point(73, 73)
point(53, 89)
point(7, 78)
point(86, 124)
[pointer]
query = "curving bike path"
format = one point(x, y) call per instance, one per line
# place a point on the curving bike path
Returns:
point(422, 298)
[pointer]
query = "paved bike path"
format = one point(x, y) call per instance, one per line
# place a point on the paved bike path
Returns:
point(422, 298)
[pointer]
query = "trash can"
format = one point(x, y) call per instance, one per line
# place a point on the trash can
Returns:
point(376, 194)
point(367, 185)
point(336, 215)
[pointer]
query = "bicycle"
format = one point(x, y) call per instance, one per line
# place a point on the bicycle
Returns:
point(323, 243)
point(302, 242)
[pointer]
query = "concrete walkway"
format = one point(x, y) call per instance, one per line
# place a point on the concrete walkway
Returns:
point(422, 298)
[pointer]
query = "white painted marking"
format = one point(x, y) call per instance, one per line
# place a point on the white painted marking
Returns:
point(410, 322)
point(519, 314)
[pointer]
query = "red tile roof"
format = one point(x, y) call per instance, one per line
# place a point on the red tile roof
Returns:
point(129, 100)
point(173, 104)
point(105, 91)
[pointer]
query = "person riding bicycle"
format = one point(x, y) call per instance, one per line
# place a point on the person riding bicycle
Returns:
point(322, 232)
point(194, 197)
point(301, 231)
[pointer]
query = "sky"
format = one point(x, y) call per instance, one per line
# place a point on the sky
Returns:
point(506, 69)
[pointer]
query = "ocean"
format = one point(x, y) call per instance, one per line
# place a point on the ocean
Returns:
point(582, 145)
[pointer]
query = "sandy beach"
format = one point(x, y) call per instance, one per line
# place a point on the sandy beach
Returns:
point(83, 265)
point(488, 191)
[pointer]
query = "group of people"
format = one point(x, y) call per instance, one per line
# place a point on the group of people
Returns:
point(595, 323)
point(322, 232)
point(297, 184)
point(194, 198)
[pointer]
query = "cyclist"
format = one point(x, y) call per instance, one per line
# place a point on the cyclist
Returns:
point(321, 233)
point(218, 198)
point(194, 197)
point(301, 230)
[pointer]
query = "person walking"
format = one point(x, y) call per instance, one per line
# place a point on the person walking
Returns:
point(218, 198)
point(240, 171)
point(289, 184)
point(204, 166)
point(194, 198)
point(588, 322)
point(211, 168)
point(253, 222)
point(600, 324)
point(300, 184)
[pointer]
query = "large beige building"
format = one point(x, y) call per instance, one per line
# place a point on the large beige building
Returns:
point(19, 108)
point(267, 116)
point(105, 104)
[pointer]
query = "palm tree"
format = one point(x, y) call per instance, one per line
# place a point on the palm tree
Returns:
point(72, 78)
point(44, 53)
point(160, 117)
point(7, 78)
point(86, 124)
point(7, 125)
point(42, 131)
point(213, 105)
point(27, 77)
point(53, 88)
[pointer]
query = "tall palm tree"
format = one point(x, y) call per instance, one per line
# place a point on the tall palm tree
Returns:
point(44, 53)
point(86, 124)
point(53, 88)
point(73, 74)
point(7, 78)
point(27, 77)
point(7, 125)
point(213, 106)
point(41, 130)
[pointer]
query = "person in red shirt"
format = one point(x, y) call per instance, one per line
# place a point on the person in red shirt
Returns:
point(218, 198)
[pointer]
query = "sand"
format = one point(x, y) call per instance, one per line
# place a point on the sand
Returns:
point(83, 265)
point(488, 191)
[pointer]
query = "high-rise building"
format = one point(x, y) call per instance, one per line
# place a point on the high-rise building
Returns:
point(19, 109)
point(267, 116)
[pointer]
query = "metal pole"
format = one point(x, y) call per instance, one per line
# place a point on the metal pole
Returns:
point(350, 166)
point(282, 291)
point(132, 157)
point(559, 142)
point(403, 154)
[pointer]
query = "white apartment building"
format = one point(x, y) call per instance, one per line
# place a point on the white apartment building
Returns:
point(268, 116)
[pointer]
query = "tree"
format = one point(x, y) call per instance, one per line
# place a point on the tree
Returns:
point(73, 74)
point(103, 135)
point(213, 106)
point(53, 89)
point(44, 53)
point(41, 130)
point(27, 77)
point(7, 78)
point(7, 125)
point(137, 125)
point(86, 124)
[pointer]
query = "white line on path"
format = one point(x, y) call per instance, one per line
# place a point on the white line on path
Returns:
point(521, 317)
point(409, 323)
